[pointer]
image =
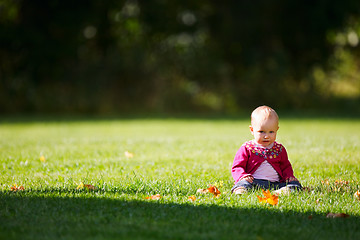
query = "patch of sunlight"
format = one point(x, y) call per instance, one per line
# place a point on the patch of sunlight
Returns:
point(345, 89)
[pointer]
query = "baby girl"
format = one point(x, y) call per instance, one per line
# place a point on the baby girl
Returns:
point(262, 162)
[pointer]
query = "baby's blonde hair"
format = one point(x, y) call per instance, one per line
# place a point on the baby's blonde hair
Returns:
point(262, 113)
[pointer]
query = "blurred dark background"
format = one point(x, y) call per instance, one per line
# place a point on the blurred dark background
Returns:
point(158, 56)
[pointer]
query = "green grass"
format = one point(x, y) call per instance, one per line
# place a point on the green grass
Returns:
point(174, 158)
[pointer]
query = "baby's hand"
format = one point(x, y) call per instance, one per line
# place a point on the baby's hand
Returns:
point(249, 178)
point(291, 179)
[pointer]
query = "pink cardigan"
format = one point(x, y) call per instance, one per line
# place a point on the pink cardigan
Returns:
point(250, 156)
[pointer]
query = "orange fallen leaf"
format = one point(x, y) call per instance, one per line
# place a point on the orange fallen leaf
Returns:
point(357, 195)
point(336, 186)
point(193, 198)
point(337, 215)
point(325, 182)
point(214, 190)
point(15, 188)
point(129, 154)
point(154, 197)
point(272, 199)
point(88, 186)
point(341, 182)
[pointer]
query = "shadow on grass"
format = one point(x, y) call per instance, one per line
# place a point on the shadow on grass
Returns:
point(79, 217)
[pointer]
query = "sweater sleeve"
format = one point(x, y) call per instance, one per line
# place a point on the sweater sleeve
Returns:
point(239, 169)
point(285, 166)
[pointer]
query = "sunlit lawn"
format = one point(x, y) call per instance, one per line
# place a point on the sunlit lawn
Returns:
point(173, 158)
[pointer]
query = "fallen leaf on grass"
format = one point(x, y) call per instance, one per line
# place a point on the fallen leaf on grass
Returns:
point(341, 182)
point(88, 186)
point(325, 182)
point(336, 186)
point(337, 215)
point(214, 190)
point(15, 188)
point(81, 185)
point(154, 197)
point(42, 158)
point(192, 198)
point(357, 195)
point(272, 199)
point(129, 154)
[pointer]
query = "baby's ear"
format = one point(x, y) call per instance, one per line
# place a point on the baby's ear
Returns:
point(251, 129)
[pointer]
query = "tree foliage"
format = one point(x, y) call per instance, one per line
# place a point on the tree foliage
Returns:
point(166, 56)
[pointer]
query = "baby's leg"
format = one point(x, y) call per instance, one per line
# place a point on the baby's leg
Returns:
point(285, 188)
point(243, 185)
point(294, 185)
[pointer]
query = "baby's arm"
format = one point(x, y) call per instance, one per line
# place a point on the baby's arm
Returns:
point(238, 170)
point(286, 167)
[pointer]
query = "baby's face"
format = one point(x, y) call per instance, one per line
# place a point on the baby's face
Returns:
point(264, 132)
